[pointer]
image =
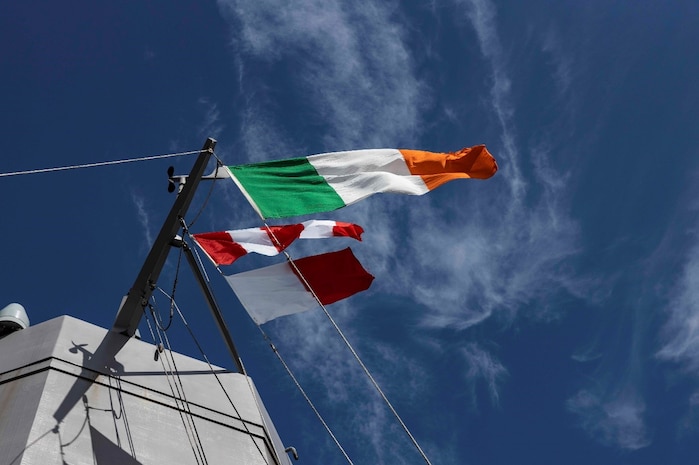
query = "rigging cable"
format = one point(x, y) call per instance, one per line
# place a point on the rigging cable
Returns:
point(171, 297)
point(186, 417)
point(303, 393)
point(198, 257)
point(122, 414)
point(211, 368)
point(100, 163)
point(191, 437)
point(219, 164)
point(185, 402)
point(349, 346)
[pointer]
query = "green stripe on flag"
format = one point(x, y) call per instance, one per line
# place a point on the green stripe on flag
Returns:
point(283, 188)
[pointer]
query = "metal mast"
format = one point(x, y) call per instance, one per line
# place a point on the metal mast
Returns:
point(133, 305)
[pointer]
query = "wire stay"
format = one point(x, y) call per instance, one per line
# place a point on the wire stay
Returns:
point(349, 346)
point(99, 163)
point(303, 393)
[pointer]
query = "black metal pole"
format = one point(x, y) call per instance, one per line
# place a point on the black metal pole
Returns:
point(131, 310)
point(213, 306)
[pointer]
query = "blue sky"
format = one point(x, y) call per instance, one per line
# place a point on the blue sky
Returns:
point(548, 314)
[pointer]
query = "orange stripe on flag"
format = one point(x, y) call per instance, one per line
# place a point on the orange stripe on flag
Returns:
point(438, 168)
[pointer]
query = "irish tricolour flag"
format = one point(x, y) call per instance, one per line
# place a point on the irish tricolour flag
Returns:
point(328, 181)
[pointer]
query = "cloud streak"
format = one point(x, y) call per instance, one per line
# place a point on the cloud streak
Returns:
point(679, 335)
point(352, 71)
point(211, 122)
point(143, 217)
point(681, 332)
point(482, 15)
point(483, 367)
point(618, 422)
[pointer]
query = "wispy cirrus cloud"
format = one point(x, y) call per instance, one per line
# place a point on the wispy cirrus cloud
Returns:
point(493, 259)
point(617, 422)
point(352, 73)
point(562, 63)
point(483, 367)
point(143, 217)
point(482, 16)
point(680, 334)
point(211, 125)
point(262, 136)
point(689, 423)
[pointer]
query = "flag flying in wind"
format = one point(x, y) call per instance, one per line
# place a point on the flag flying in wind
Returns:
point(225, 247)
point(328, 181)
point(278, 290)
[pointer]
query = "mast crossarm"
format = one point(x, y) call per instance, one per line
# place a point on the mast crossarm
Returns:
point(177, 181)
